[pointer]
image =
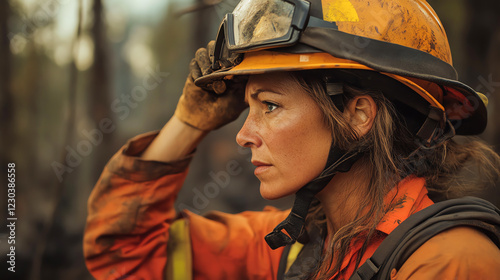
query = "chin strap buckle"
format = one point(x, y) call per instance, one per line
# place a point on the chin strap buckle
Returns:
point(287, 232)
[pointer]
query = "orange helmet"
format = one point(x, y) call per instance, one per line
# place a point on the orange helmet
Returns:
point(402, 39)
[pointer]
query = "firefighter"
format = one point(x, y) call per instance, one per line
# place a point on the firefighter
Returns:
point(353, 106)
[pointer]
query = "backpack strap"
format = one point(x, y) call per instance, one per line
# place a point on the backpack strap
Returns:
point(423, 225)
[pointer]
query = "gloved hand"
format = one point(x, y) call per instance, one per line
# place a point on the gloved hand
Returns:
point(211, 108)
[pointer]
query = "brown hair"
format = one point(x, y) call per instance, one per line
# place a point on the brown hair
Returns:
point(392, 154)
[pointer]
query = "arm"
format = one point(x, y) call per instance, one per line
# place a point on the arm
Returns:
point(174, 134)
point(130, 212)
point(131, 207)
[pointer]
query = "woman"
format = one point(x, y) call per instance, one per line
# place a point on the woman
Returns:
point(352, 107)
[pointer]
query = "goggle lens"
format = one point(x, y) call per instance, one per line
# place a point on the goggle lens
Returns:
point(261, 20)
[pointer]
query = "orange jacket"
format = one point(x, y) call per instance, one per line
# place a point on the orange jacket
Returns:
point(131, 210)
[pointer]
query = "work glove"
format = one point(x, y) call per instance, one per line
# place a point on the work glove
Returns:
point(215, 105)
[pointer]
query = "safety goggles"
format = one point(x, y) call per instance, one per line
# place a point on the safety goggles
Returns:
point(258, 24)
point(263, 24)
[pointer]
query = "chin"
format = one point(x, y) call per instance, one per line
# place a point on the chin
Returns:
point(275, 191)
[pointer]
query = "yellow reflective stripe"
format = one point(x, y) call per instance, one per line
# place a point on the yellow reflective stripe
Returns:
point(179, 258)
point(292, 254)
point(339, 10)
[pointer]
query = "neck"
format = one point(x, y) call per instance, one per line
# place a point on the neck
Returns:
point(342, 197)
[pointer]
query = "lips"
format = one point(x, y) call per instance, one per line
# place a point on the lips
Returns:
point(261, 167)
point(260, 163)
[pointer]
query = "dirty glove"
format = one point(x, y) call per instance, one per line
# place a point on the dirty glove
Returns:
point(212, 107)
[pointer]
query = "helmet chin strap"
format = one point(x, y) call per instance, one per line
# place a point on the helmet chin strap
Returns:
point(290, 229)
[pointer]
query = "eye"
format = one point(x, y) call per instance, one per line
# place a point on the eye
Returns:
point(270, 106)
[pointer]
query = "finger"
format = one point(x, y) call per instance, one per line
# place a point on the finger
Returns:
point(210, 50)
point(203, 61)
point(194, 69)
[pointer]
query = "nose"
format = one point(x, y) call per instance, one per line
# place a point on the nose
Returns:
point(247, 136)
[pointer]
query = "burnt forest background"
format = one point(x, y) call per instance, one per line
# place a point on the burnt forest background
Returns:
point(78, 78)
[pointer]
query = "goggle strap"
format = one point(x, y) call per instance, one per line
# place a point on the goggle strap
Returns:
point(317, 22)
point(379, 55)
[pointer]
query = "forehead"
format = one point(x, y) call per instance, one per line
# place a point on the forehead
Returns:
point(280, 82)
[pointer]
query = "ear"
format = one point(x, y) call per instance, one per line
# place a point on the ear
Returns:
point(360, 113)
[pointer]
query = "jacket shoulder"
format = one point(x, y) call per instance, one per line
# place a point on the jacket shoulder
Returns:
point(457, 253)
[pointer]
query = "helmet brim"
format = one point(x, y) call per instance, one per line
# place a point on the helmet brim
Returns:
point(463, 105)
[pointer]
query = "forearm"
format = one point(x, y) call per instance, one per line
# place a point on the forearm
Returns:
point(175, 141)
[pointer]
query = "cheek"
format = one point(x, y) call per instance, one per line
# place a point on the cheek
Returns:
point(305, 139)
point(308, 154)
point(299, 147)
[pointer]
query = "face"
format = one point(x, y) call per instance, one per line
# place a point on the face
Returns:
point(286, 132)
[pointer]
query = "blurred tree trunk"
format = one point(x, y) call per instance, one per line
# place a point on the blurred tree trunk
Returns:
point(201, 38)
point(494, 59)
point(6, 102)
point(100, 88)
point(202, 26)
point(48, 236)
point(482, 59)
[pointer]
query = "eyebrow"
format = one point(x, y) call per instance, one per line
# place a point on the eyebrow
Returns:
point(255, 94)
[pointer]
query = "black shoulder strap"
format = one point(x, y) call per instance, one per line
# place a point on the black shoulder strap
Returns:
point(423, 225)
point(283, 262)
point(306, 260)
